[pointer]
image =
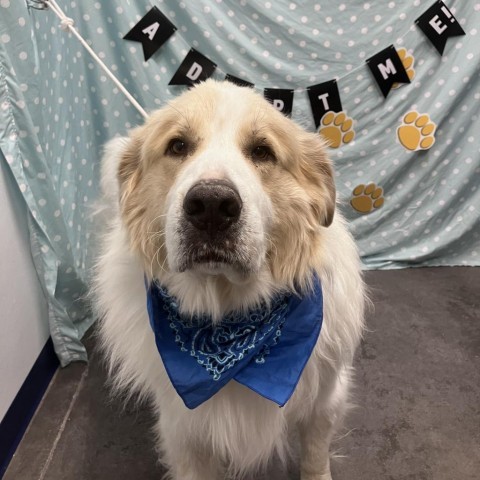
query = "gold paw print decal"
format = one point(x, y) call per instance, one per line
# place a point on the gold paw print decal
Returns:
point(336, 129)
point(367, 198)
point(408, 62)
point(417, 131)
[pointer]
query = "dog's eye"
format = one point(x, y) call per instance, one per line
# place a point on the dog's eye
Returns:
point(261, 152)
point(177, 147)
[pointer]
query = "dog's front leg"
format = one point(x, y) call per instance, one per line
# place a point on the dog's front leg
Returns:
point(189, 462)
point(191, 466)
point(316, 435)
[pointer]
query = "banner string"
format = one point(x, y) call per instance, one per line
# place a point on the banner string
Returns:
point(67, 24)
point(304, 89)
point(399, 40)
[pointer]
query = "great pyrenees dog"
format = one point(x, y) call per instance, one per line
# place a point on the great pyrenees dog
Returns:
point(222, 255)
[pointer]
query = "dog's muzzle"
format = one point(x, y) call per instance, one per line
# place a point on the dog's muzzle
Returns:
point(211, 233)
point(212, 206)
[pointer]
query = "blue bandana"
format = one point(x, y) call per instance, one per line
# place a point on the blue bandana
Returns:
point(265, 349)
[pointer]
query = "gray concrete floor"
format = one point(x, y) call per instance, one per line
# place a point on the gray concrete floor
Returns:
point(417, 396)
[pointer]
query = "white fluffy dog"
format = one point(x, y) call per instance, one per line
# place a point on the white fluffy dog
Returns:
point(274, 231)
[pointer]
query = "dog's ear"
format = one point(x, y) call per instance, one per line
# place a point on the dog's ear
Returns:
point(129, 167)
point(318, 172)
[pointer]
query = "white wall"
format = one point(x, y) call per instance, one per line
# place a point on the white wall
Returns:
point(23, 308)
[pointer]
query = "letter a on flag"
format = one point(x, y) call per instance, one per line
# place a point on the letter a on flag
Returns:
point(152, 31)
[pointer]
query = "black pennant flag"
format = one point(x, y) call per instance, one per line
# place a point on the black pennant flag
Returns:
point(281, 99)
point(387, 68)
point(438, 24)
point(153, 30)
point(195, 68)
point(324, 97)
point(238, 81)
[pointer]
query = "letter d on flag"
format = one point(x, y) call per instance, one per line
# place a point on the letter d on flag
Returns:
point(195, 68)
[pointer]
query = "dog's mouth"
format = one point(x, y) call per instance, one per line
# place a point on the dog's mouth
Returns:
point(211, 258)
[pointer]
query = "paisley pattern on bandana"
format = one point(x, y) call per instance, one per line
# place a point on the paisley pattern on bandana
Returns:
point(217, 348)
point(265, 349)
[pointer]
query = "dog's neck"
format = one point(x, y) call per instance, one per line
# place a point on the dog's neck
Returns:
point(215, 295)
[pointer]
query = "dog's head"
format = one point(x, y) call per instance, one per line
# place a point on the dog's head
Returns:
point(220, 183)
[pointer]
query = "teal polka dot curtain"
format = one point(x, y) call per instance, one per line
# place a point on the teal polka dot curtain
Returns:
point(408, 166)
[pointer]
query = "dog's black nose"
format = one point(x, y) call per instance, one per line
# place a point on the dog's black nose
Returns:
point(212, 205)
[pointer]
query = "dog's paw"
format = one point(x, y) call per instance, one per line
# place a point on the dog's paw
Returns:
point(367, 198)
point(407, 61)
point(336, 129)
point(417, 131)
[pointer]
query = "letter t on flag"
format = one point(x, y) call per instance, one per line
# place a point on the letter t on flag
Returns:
point(387, 69)
point(324, 97)
point(152, 31)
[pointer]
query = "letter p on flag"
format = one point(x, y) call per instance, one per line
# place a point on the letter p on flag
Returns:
point(281, 99)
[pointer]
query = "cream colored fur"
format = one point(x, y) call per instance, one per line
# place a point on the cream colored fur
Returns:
point(288, 234)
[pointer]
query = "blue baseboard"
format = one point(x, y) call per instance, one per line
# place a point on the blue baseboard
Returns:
point(23, 407)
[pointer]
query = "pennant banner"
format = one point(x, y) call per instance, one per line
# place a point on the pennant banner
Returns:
point(387, 69)
point(195, 68)
point(152, 31)
point(238, 81)
point(438, 24)
point(281, 99)
point(324, 97)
